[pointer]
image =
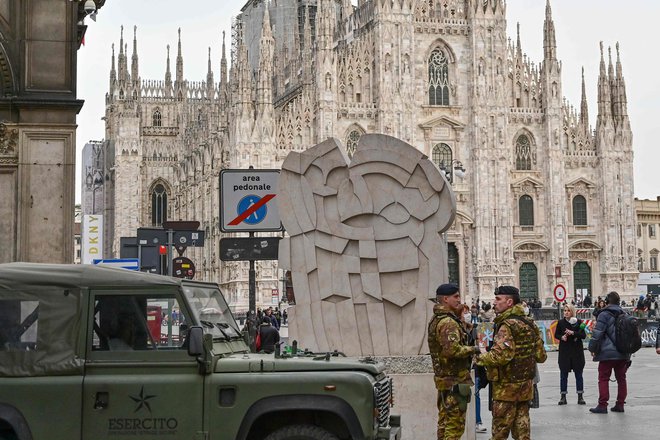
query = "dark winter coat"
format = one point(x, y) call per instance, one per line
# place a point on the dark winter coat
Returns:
point(269, 337)
point(603, 336)
point(571, 351)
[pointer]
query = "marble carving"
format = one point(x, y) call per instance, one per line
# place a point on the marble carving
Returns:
point(365, 247)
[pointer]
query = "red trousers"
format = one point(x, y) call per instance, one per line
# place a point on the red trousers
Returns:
point(620, 366)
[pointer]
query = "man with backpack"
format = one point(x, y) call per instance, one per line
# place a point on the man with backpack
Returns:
point(614, 338)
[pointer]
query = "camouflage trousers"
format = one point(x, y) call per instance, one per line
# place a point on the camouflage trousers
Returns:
point(513, 417)
point(451, 419)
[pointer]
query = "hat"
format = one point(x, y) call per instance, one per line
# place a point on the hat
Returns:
point(507, 290)
point(446, 289)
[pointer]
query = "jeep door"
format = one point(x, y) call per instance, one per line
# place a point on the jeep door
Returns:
point(140, 381)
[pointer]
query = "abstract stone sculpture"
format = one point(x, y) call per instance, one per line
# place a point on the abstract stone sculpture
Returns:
point(365, 249)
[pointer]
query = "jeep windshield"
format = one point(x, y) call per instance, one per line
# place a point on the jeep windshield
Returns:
point(211, 311)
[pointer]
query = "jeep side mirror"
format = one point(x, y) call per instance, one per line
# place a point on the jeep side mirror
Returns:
point(195, 341)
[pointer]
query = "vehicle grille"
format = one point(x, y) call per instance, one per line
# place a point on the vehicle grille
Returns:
point(383, 394)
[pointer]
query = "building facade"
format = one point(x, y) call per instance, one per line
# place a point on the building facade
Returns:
point(542, 197)
point(38, 107)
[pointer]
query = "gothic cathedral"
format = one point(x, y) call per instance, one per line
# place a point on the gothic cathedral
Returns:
point(542, 197)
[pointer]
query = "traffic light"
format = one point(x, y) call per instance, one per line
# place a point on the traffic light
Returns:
point(162, 250)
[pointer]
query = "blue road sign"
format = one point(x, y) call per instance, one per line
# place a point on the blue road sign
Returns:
point(122, 263)
point(255, 217)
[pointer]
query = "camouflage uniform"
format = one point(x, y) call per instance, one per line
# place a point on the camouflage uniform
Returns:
point(451, 358)
point(511, 365)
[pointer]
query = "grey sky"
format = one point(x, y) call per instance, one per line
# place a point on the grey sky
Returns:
point(580, 26)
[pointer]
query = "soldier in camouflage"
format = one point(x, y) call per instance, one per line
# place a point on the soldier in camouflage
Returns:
point(511, 365)
point(451, 356)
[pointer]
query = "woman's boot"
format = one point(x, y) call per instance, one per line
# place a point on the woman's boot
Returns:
point(562, 401)
point(581, 400)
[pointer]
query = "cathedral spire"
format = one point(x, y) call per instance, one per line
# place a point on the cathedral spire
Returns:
point(549, 41)
point(121, 60)
point(223, 63)
point(584, 109)
point(210, 83)
point(518, 45)
point(604, 97)
point(168, 75)
point(266, 50)
point(113, 72)
point(307, 49)
point(621, 98)
point(134, 59)
point(179, 63)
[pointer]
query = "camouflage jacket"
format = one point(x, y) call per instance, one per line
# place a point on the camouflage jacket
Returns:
point(450, 353)
point(511, 362)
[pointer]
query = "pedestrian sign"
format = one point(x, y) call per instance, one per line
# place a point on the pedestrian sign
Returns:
point(247, 200)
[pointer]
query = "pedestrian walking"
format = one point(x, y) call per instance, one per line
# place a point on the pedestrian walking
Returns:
point(511, 365)
point(451, 355)
point(604, 351)
point(570, 332)
point(268, 335)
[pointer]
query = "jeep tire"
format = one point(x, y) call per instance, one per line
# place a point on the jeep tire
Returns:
point(301, 432)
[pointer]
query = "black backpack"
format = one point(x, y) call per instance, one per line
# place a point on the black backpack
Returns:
point(627, 336)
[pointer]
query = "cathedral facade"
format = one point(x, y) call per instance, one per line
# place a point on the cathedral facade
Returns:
point(542, 198)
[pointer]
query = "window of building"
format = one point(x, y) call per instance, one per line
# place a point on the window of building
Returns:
point(529, 281)
point(442, 158)
point(352, 142)
point(523, 153)
point(654, 262)
point(158, 205)
point(157, 120)
point(438, 78)
point(526, 211)
point(639, 230)
point(452, 262)
point(579, 211)
point(651, 230)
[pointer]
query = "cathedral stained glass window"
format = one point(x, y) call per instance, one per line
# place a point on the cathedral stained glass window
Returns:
point(579, 211)
point(442, 158)
point(526, 210)
point(438, 78)
point(523, 153)
point(158, 205)
point(352, 141)
point(157, 119)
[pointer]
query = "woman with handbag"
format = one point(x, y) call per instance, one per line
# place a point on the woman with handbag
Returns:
point(571, 332)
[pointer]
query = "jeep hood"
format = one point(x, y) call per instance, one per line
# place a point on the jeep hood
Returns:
point(241, 363)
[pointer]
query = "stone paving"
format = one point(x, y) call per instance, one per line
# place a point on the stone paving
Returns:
point(550, 421)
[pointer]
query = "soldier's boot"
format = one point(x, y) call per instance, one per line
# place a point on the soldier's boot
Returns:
point(581, 400)
point(562, 401)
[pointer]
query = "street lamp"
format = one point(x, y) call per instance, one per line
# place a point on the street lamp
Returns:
point(458, 169)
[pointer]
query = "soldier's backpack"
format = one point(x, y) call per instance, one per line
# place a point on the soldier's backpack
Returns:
point(627, 337)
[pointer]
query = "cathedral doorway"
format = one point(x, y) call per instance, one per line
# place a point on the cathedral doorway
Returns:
point(529, 281)
point(582, 277)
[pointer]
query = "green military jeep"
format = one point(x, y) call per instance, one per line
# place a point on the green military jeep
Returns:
point(89, 352)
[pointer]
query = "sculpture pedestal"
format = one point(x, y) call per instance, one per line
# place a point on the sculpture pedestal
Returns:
point(415, 398)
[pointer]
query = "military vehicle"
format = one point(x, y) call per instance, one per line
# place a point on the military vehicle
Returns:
point(82, 358)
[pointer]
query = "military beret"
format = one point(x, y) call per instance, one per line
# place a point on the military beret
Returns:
point(446, 289)
point(507, 290)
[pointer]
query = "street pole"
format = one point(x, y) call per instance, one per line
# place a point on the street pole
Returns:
point(252, 285)
point(170, 239)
